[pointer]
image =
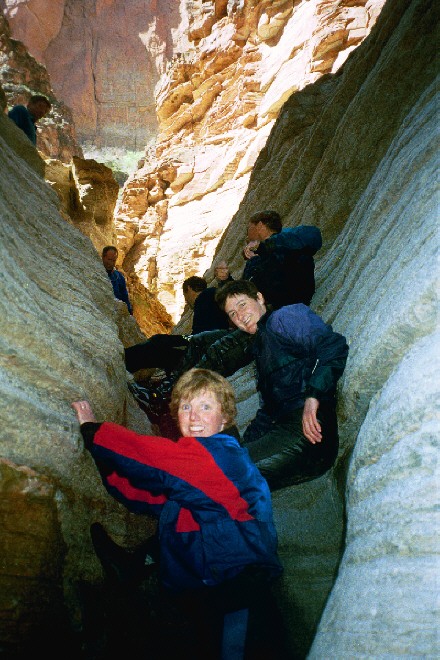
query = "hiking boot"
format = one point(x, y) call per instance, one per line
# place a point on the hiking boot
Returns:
point(120, 565)
point(153, 400)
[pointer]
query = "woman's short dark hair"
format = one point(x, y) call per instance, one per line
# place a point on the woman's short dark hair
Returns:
point(235, 288)
point(194, 381)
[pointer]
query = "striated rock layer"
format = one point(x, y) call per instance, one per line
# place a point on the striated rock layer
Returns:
point(355, 153)
point(59, 342)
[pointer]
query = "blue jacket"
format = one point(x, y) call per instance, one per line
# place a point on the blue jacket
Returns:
point(284, 268)
point(21, 116)
point(119, 287)
point(214, 507)
point(297, 356)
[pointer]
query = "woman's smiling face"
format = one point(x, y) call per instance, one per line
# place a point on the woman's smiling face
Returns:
point(245, 312)
point(200, 416)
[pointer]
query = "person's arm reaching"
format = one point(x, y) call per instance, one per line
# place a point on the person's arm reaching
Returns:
point(327, 349)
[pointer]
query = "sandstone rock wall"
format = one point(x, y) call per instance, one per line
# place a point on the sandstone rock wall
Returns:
point(59, 342)
point(114, 53)
point(216, 106)
point(362, 167)
point(356, 153)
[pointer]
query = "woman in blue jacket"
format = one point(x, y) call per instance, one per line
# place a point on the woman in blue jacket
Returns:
point(299, 360)
point(216, 532)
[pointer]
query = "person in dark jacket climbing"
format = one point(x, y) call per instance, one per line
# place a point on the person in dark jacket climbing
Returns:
point(280, 261)
point(299, 360)
point(217, 537)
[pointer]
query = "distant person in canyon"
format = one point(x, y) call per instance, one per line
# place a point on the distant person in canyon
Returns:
point(217, 538)
point(26, 116)
point(109, 258)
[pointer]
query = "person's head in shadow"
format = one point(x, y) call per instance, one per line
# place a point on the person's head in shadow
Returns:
point(39, 106)
point(109, 257)
point(191, 288)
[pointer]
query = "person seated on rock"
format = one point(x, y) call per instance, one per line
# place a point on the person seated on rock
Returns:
point(109, 256)
point(296, 355)
point(26, 116)
point(207, 314)
point(217, 538)
point(299, 360)
point(165, 351)
point(282, 267)
point(280, 261)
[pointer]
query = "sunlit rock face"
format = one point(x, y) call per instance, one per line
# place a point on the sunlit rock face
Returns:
point(21, 76)
point(354, 153)
point(217, 103)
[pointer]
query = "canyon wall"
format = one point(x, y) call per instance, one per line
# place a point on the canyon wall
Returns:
point(87, 189)
point(216, 106)
point(354, 152)
point(202, 84)
point(114, 53)
point(21, 76)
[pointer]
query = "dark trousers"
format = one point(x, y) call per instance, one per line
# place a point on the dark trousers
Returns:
point(162, 351)
point(283, 454)
point(237, 619)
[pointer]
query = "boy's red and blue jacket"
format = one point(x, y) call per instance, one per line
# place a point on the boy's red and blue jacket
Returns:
point(214, 507)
